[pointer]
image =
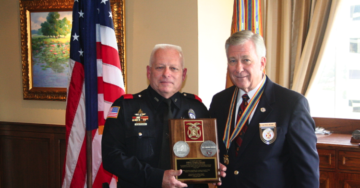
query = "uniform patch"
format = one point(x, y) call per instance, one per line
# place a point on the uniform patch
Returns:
point(140, 118)
point(192, 96)
point(198, 98)
point(268, 132)
point(113, 112)
point(128, 96)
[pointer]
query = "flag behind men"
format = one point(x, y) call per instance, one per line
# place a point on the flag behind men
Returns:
point(246, 16)
point(96, 82)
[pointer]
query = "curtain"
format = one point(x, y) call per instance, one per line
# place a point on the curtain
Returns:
point(320, 27)
point(295, 35)
point(286, 32)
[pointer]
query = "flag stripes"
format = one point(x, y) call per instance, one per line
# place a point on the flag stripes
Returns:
point(96, 82)
point(247, 16)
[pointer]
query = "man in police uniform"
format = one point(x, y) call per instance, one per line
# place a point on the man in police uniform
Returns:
point(268, 140)
point(134, 144)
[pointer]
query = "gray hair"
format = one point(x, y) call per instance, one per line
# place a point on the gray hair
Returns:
point(243, 36)
point(164, 46)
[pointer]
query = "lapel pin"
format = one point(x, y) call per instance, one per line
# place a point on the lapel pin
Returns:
point(263, 109)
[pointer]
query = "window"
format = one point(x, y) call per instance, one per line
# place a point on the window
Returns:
point(354, 45)
point(355, 12)
point(335, 92)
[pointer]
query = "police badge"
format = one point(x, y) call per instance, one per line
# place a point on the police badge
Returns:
point(267, 132)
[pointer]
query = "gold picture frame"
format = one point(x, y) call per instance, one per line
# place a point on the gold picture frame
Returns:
point(32, 91)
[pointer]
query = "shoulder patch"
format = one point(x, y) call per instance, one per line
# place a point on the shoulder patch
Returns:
point(131, 96)
point(128, 96)
point(113, 112)
point(198, 98)
point(192, 96)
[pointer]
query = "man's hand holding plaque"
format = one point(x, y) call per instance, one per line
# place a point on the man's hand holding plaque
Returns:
point(194, 147)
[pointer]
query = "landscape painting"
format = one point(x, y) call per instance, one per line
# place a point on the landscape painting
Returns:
point(45, 27)
point(50, 48)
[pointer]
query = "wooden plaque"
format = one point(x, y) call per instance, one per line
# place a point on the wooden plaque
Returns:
point(194, 149)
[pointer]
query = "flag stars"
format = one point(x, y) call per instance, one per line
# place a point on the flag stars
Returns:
point(81, 14)
point(75, 37)
point(104, 1)
point(81, 52)
point(76, 1)
point(98, 10)
point(110, 14)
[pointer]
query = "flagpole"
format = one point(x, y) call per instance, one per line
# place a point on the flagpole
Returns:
point(89, 158)
point(91, 90)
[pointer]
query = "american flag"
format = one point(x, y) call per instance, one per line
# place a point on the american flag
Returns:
point(96, 82)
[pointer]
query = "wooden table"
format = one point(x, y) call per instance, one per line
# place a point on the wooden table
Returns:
point(339, 161)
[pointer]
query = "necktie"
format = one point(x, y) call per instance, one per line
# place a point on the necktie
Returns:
point(242, 107)
point(164, 162)
point(169, 113)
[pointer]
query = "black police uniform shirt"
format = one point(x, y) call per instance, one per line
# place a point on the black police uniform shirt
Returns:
point(132, 138)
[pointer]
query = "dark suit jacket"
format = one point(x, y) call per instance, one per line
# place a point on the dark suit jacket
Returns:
point(290, 161)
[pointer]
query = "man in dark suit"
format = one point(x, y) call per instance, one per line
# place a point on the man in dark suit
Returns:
point(266, 134)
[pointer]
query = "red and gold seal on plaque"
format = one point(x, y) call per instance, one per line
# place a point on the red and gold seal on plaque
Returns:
point(194, 131)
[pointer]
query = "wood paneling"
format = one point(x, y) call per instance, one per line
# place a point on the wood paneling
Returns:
point(348, 180)
point(327, 179)
point(31, 155)
point(327, 158)
point(349, 160)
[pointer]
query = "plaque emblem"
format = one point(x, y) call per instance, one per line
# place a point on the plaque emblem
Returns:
point(267, 132)
point(140, 118)
point(194, 131)
point(181, 149)
point(208, 148)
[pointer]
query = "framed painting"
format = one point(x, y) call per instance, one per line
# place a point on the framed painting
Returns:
point(45, 50)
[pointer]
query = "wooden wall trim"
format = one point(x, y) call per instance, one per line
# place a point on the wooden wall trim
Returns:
point(32, 127)
point(32, 153)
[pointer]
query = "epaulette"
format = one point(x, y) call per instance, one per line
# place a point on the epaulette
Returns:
point(192, 96)
point(131, 96)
